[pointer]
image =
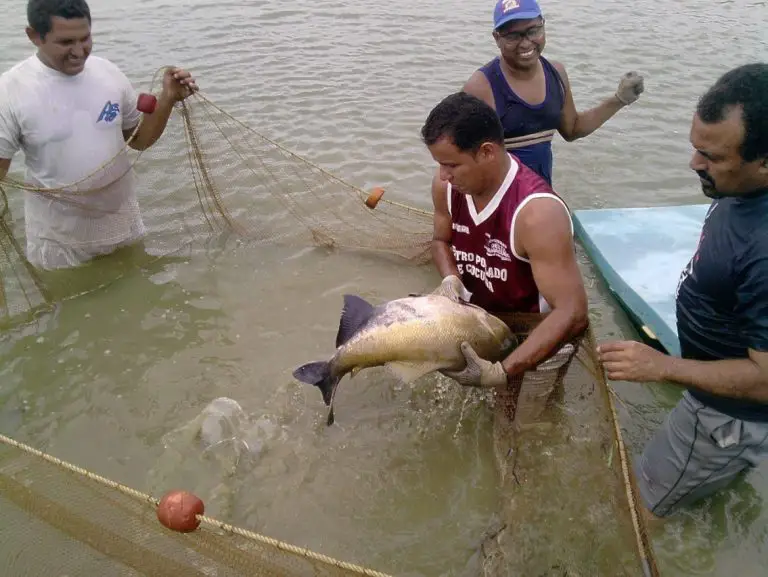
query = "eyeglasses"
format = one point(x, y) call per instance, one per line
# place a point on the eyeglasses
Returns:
point(515, 36)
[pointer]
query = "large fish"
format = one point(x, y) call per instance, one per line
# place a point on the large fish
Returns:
point(411, 336)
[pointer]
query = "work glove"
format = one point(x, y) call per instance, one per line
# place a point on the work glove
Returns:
point(478, 372)
point(630, 88)
point(454, 289)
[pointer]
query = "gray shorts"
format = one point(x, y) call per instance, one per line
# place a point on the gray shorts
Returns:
point(698, 451)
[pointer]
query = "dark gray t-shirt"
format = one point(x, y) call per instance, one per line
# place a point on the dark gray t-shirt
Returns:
point(722, 296)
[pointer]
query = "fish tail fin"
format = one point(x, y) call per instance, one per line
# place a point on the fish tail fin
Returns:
point(354, 315)
point(319, 374)
point(356, 312)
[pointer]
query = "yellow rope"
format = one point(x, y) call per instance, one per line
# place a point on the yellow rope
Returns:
point(306, 161)
point(301, 552)
point(643, 546)
point(23, 186)
point(644, 550)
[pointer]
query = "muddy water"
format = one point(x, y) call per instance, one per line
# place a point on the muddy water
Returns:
point(405, 482)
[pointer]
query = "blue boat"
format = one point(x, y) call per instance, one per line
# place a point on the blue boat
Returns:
point(640, 253)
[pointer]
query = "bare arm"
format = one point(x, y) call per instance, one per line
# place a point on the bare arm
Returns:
point(442, 253)
point(738, 379)
point(543, 235)
point(734, 378)
point(574, 124)
point(178, 84)
point(478, 86)
point(743, 378)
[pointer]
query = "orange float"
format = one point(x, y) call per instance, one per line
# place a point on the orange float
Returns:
point(374, 197)
point(178, 511)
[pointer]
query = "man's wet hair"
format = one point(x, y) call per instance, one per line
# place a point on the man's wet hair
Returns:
point(746, 87)
point(466, 120)
point(41, 12)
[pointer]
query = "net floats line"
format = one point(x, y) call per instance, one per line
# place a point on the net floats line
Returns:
point(183, 512)
point(146, 104)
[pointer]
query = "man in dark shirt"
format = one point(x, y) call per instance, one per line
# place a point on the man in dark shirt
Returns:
point(720, 426)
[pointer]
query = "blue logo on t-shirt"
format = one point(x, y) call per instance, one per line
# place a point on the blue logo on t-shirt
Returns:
point(109, 112)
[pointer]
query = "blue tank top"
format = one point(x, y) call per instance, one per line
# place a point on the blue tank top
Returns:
point(528, 129)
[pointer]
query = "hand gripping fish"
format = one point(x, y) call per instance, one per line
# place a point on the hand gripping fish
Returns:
point(411, 336)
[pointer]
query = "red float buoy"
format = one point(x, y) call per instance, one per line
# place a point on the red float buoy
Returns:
point(178, 511)
point(146, 103)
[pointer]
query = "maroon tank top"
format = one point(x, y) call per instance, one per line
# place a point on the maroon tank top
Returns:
point(483, 244)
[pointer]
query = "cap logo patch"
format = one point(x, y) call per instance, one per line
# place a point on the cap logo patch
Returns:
point(510, 5)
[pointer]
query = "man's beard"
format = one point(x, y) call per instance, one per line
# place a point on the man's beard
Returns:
point(708, 185)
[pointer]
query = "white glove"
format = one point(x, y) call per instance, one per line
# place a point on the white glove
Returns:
point(478, 372)
point(454, 289)
point(630, 88)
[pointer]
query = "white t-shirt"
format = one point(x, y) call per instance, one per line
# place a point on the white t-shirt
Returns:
point(68, 127)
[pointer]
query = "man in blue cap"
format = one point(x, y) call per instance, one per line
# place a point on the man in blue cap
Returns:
point(532, 95)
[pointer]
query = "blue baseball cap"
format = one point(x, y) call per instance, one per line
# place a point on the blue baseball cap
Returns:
point(508, 10)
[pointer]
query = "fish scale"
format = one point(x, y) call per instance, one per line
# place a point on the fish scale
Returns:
point(411, 336)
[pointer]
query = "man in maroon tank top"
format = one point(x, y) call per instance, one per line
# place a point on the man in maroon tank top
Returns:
point(501, 230)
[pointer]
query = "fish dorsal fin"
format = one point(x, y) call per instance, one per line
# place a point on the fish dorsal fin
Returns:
point(354, 315)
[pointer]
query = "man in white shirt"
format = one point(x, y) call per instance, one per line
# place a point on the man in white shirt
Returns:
point(71, 114)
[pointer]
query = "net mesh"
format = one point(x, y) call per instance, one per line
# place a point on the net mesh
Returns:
point(569, 500)
point(211, 174)
point(208, 174)
point(99, 527)
point(551, 514)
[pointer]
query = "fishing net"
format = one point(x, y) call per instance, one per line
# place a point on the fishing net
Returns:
point(568, 498)
point(568, 504)
point(96, 526)
point(209, 174)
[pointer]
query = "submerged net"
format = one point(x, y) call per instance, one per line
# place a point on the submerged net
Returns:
point(211, 174)
point(99, 527)
point(569, 503)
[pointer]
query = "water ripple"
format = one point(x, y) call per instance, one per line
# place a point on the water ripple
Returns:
point(348, 85)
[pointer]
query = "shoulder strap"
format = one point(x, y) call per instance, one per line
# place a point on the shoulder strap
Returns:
point(553, 69)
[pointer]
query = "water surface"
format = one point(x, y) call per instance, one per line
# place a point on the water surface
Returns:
point(405, 483)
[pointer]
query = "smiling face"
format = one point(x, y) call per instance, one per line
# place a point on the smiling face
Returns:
point(66, 46)
point(521, 42)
